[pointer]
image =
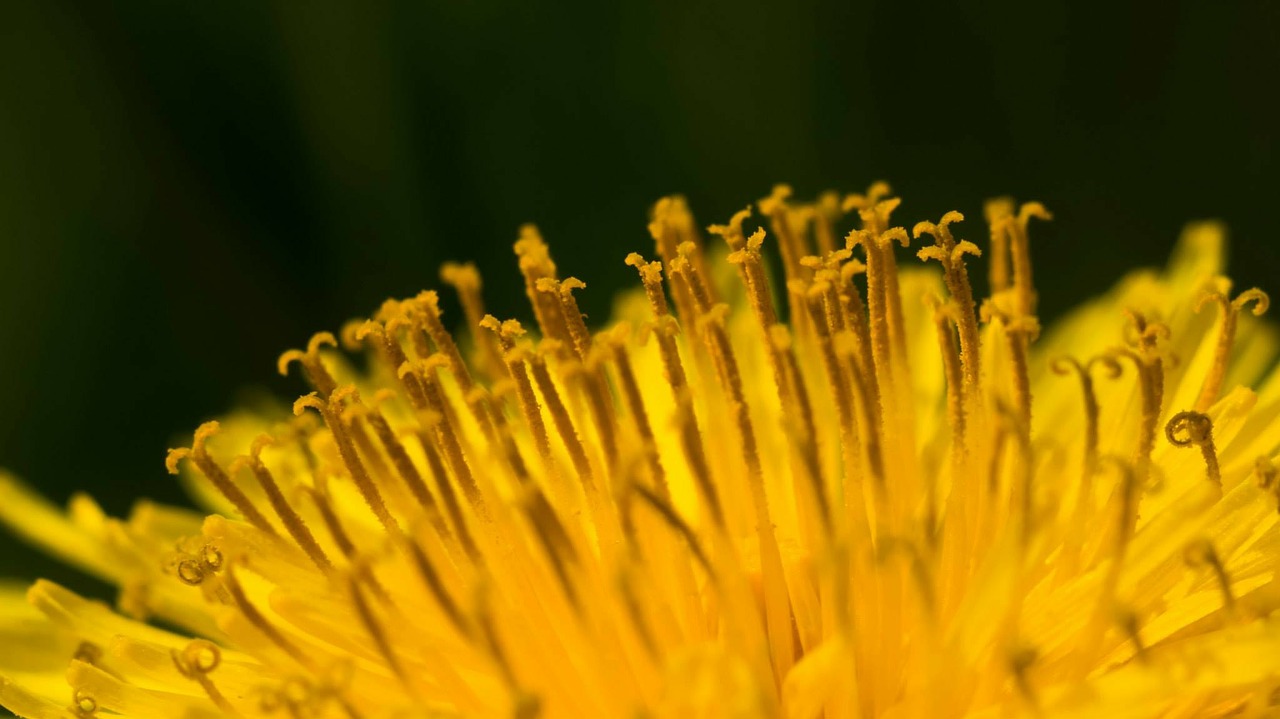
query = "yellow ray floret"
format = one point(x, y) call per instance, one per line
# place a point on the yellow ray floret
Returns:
point(882, 497)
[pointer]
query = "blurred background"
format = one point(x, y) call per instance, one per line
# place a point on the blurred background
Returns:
point(187, 189)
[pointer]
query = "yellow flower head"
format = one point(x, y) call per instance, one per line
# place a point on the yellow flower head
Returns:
point(852, 491)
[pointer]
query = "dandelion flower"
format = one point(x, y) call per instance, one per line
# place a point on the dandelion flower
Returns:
point(846, 490)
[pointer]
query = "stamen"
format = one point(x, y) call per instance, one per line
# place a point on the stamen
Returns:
point(950, 254)
point(1146, 337)
point(195, 662)
point(465, 280)
point(1188, 428)
point(592, 380)
point(215, 474)
point(997, 211)
point(445, 431)
point(944, 319)
point(554, 539)
point(527, 705)
point(826, 213)
point(1130, 483)
point(1130, 623)
point(1020, 252)
point(884, 308)
point(331, 411)
point(777, 603)
point(354, 416)
point(792, 394)
point(745, 253)
point(1020, 331)
point(840, 390)
point(1230, 312)
point(393, 356)
point(1020, 662)
point(665, 329)
point(378, 633)
point(791, 245)
point(435, 585)
point(428, 440)
point(635, 613)
point(1203, 554)
point(890, 546)
point(320, 497)
point(1069, 365)
point(673, 519)
point(424, 312)
point(261, 623)
point(404, 465)
point(536, 264)
point(864, 396)
point(514, 358)
point(804, 432)
point(663, 230)
point(284, 510)
point(560, 416)
point(1268, 477)
point(630, 389)
point(312, 365)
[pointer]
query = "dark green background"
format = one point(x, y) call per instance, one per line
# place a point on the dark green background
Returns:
point(188, 188)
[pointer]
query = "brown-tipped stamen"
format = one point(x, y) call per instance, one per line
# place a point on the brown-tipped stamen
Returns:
point(950, 254)
point(996, 211)
point(217, 476)
point(284, 510)
point(312, 365)
point(331, 411)
point(665, 329)
point(1230, 316)
point(465, 280)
